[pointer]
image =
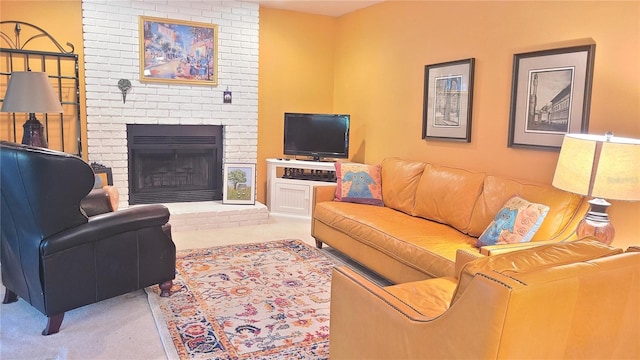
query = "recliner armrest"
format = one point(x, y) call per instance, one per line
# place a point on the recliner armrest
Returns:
point(100, 201)
point(106, 225)
point(96, 203)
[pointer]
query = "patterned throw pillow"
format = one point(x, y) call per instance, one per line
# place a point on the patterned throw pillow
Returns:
point(516, 222)
point(359, 183)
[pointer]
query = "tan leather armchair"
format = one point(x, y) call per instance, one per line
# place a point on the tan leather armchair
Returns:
point(568, 300)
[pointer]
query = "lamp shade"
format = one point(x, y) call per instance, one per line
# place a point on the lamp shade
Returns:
point(30, 92)
point(604, 167)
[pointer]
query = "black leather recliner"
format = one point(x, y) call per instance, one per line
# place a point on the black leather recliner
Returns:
point(56, 257)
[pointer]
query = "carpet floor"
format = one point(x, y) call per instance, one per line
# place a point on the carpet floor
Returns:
point(124, 327)
point(249, 301)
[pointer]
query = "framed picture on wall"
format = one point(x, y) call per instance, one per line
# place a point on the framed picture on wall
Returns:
point(239, 184)
point(448, 98)
point(176, 51)
point(550, 96)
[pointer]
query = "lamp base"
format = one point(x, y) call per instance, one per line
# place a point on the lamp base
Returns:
point(596, 223)
point(33, 133)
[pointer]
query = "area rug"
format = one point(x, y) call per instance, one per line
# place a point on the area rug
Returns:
point(252, 301)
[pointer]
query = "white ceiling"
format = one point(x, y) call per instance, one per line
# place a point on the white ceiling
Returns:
point(319, 7)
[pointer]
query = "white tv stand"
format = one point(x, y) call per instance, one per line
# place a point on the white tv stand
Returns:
point(291, 196)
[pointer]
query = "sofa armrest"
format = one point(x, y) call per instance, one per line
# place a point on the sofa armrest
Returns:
point(462, 258)
point(368, 322)
point(320, 194)
point(324, 193)
point(633, 248)
point(568, 233)
point(492, 250)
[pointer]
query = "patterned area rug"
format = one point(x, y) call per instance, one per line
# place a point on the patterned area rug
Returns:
point(253, 301)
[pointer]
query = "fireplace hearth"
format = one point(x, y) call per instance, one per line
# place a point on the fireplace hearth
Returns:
point(174, 163)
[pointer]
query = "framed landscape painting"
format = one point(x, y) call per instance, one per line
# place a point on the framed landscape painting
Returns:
point(448, 99)
point(550, 96)
point(176, 51)
point(239, 184)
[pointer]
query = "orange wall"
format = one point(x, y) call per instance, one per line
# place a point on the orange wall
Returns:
point(370, 63)
point(61, 19)
point(295, 75)
point(380, 54)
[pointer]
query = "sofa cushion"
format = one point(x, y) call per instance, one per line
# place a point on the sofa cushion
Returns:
point(563, 205)
point(426, 246)
point(448, 195)
point(359, 183)
point(400, 179)
point(517, 221)
point(533, 259)
point(429, 297)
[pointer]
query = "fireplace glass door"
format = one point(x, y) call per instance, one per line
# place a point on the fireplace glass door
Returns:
point(167, 167)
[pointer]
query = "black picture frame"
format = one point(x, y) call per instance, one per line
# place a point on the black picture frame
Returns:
point(550, 96)
point(448, 100)
point(103, 172)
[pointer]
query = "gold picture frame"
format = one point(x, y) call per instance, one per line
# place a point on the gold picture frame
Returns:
point(177, 51)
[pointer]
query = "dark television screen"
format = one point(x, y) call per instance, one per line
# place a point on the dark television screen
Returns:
point(316, 135)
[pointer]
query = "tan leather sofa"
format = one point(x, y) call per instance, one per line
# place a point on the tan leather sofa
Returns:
point(430, 212)
point(576, 300)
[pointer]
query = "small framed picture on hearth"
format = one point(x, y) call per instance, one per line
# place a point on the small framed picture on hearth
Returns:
point(239, 184)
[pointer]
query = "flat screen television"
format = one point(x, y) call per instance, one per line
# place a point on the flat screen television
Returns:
point(318, 136)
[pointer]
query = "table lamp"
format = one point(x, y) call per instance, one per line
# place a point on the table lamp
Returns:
point(31, 92)
point(600, 167)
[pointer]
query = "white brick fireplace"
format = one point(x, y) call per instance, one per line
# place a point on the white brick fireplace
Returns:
point(111, 53)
